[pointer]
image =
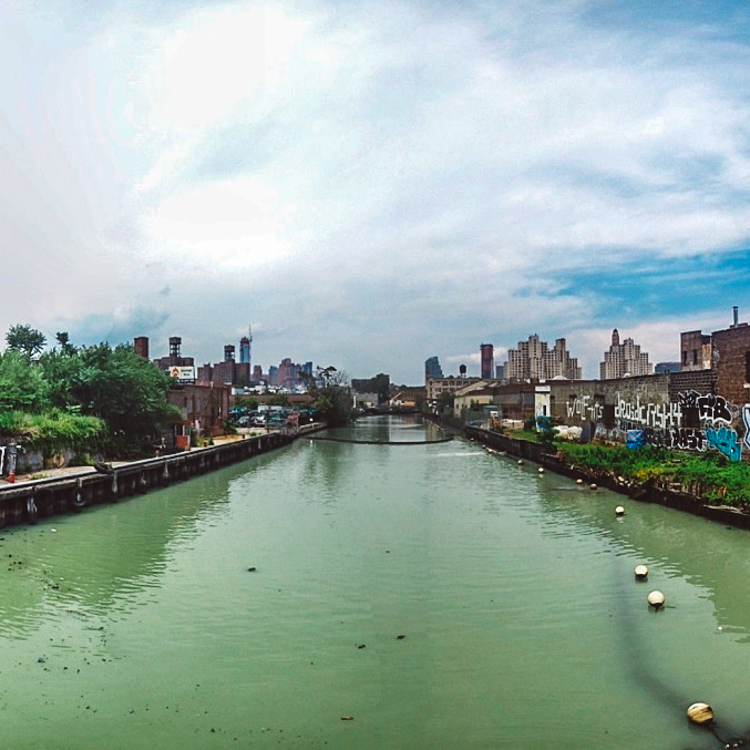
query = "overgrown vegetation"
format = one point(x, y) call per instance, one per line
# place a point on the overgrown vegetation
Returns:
point(55, 431)
point(99, 399)
point(709, 475)
point(648, 463)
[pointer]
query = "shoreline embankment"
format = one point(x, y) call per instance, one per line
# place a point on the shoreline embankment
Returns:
point(672, 495)
point(27, 501)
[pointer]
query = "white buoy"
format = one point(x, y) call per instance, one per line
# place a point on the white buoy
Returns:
point(655, 599)
point(700, 713)
point(641, 572)
point(593, 487)
point(520, 463)
point(541, 470)
point(579, 481)
point(619, 511)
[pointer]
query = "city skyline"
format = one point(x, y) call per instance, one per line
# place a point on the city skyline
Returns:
point(370, 185)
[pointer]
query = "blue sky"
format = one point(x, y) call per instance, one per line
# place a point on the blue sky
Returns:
point(369, 184)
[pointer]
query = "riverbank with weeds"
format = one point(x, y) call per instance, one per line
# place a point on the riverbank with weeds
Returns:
point(707, 485)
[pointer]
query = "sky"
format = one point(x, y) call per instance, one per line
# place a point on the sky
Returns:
point(368, 184)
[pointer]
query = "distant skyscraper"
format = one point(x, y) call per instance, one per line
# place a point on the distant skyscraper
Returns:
point(432, 368)
point(533, 360)
point(488, 361)
point(622, 359)
point(245, 343)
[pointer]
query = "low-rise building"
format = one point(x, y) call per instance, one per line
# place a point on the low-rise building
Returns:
point(514, 402)
point(434, 387)
point(203, 407)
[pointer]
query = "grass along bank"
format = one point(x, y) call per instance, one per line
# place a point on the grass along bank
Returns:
point(709, 476)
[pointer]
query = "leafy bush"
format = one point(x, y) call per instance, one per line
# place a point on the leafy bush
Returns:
point(711, 474)
point(647, 463)
point(54, 430)
point(720, 480)
point(93, 399)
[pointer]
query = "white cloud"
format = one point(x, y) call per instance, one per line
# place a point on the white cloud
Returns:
point(334, 172)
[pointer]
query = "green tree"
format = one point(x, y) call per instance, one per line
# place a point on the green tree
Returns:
point(61, 369)
point(128, 392)
point(547, 431)
point(278, 399)
point(25, 339)
point(22, 385)
point(246, 403)
point(112, 398)
point(64, 340)
point(381, 384)
point(445, 401)
point(332, 400)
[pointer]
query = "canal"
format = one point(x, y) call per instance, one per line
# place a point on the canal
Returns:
point(348, 595)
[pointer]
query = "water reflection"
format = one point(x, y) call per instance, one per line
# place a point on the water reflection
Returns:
point(524, 625)
point(106, 558)
point(704, 553)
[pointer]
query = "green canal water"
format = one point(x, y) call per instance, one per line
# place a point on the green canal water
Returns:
point(139, 625)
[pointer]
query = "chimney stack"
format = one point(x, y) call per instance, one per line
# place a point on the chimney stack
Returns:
point(736, 316)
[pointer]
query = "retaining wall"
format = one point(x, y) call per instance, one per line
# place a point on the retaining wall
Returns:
point(26, 502)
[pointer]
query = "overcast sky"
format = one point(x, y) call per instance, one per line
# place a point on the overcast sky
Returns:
point(369, 184)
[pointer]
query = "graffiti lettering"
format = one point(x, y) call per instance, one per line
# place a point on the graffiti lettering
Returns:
point(725, 441)
point(685, 439)
point(714, 408)
point(661, 416)
point(584, 408)
point(746, 421)
point(681, 438)
point(687, 399)
point(711, 408)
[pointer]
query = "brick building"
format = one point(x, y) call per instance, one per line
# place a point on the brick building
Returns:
point(695, 348)
point(730, 354)
point(695, 409)
point(204, 407)
point(436, 386)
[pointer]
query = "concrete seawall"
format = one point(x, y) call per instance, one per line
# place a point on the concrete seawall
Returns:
point(28, 501)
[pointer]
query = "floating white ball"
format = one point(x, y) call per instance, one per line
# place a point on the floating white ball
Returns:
point(541, 470)
point(619, 511)
point(641, 572)
point(593, 487)
point(655, 599)
point(700, 713)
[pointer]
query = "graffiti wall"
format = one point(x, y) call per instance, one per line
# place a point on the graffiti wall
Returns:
point(640, 411)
